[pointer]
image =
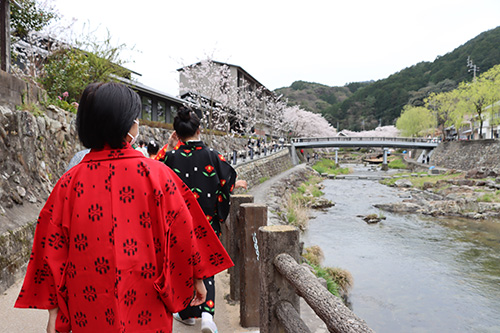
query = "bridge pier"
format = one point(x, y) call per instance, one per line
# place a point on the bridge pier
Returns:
point(293, 154)
point(336, 156)
point(385, 166)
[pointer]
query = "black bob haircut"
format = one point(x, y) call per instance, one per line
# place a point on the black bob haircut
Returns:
point(186, 123)
point(106, 113)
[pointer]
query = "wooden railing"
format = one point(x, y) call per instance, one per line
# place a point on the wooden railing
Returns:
point(266, 260)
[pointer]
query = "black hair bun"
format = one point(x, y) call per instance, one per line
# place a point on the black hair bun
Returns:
point(184, 114)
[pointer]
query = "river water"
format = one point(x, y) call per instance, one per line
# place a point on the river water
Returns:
point(412, 273)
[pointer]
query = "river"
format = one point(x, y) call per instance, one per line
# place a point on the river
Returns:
point(412, 273)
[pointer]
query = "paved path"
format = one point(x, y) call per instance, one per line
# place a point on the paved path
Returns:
point(35, 321)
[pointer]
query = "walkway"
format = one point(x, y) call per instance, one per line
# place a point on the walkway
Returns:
point(35, 321)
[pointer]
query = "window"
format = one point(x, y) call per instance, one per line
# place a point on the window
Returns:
point(173, 112)
point(147, 108)
point(160, 112)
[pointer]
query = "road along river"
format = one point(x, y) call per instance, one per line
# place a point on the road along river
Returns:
point(412, 273)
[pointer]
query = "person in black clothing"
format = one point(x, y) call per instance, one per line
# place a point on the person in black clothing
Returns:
point(211, 179)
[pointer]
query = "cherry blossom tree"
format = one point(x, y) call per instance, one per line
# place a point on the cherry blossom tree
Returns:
point(307, 124)
point(226, 104)
point(275, 108)
point(241, 107)
point(209, 86)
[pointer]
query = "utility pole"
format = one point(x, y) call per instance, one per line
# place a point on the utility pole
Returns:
point(472, 67)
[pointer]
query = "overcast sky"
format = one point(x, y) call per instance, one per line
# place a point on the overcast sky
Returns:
point(278, 42)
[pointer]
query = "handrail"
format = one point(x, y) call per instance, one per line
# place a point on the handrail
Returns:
point(359, 138)
point(337, 317)
point(283, 280)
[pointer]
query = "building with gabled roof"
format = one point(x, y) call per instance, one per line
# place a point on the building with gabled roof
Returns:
point(241, 78)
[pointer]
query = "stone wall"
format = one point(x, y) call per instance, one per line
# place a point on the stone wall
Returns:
point(14, 91)
point(264, 168)
point(467, 155)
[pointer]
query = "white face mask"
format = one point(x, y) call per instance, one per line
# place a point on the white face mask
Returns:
point(134, 138)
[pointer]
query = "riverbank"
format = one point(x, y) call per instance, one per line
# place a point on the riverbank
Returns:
point(474, 194)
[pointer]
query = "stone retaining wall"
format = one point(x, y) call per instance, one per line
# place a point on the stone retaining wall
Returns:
point(467, 155)
point(255, 172)
point(14, 91)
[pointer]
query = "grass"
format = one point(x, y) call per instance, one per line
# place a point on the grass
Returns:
point(418, 181)
point(397, 164)
point(490, 197)
point(337, 279)
point(329, 167)
point(263, 179)
point(296, 212)
point(33, 108)
point(297, 203)
point(373, 216)
point(314, 255)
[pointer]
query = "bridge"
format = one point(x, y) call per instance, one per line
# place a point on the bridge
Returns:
point(356, 142)
point(350, 142)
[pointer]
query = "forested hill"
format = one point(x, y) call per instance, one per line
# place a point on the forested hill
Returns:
point(358, 106)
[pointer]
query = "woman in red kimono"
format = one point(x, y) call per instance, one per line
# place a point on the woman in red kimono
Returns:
point(121, 243)
point(211, 179)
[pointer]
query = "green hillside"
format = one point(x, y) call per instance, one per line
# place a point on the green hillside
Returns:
point(314, 97)
point(358, 106)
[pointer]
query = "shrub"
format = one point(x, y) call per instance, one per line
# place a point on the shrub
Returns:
point(66, 70)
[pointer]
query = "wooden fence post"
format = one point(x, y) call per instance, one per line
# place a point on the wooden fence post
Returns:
point(253, 216)
point(236, 224)
point(274, 288)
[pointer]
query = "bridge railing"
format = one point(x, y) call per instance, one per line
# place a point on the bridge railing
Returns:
point(359, 138)
point(266, 259)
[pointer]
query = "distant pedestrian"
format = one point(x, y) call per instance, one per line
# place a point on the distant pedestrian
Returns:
point(153, 149)
point(142, 148)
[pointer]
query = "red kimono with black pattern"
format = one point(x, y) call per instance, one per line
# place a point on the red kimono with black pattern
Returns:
point(117, 246)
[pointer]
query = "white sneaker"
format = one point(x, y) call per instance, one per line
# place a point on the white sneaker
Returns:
point(189, 321)
point(208, 326)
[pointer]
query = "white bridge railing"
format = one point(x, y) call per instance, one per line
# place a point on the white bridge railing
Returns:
point(360, 138)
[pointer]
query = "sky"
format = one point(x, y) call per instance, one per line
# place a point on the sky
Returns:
point(278, 42)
